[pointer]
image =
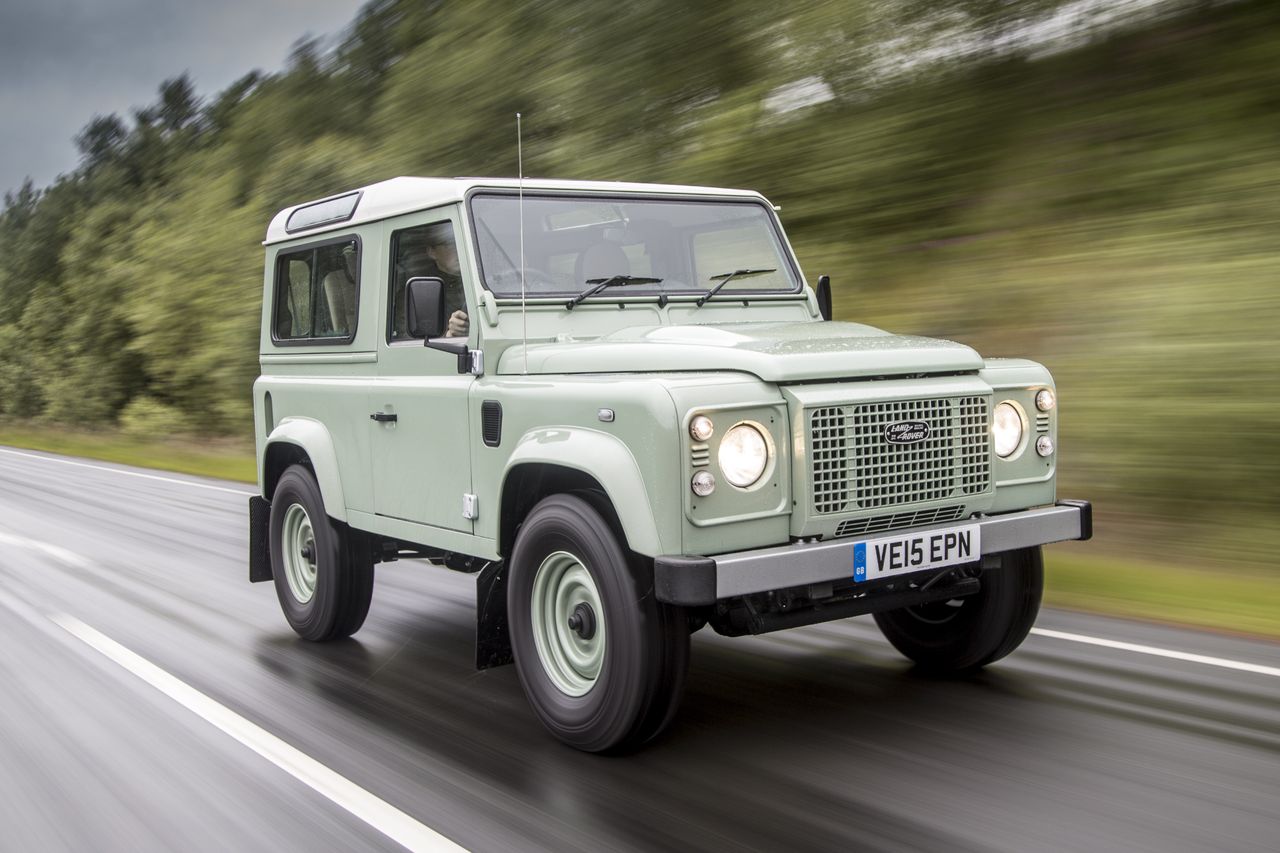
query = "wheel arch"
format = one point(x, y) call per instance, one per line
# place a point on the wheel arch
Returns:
point(303, 441)
point(546, 461)
point(527, 483)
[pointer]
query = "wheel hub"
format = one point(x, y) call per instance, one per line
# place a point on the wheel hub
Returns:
point(583, 621)
point(569, 628)
point(298, 546)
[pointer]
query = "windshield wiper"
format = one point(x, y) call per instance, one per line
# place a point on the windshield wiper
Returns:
point(728, 277)
point(611, 281)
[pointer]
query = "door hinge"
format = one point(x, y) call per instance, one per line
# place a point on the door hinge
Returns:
point(470, 507)
point(471, 361)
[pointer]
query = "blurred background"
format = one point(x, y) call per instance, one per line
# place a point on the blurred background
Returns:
point(1094, 185)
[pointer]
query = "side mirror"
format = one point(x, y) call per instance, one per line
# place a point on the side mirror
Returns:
point(424, 304)
point(824, 296)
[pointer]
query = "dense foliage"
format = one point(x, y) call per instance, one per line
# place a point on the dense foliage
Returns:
point(1110, 210)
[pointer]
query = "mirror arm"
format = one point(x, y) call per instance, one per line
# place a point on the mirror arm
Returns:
point(457, 346)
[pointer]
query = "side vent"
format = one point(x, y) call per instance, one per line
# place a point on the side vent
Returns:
point(491, 422)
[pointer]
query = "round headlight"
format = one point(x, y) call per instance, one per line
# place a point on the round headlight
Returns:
point(1045, 399)
point(743, 455)
point(703, 483)
point(701, 428)
point(1006, 428)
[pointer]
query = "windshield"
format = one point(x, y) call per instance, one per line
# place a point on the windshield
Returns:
point(664, 246)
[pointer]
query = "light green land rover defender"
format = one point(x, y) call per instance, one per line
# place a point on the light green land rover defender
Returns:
point(623, 409)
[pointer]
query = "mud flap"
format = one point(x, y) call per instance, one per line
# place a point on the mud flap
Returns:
point(259, 543)
point(493, 641)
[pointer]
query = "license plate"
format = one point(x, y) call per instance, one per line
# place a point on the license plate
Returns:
point(916, 552)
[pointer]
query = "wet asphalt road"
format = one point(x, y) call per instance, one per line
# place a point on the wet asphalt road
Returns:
point(820, 738)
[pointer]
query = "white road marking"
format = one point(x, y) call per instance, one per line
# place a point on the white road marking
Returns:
point(192, 483)
point(70, 558)
point(374, 811)
point(1225, 663)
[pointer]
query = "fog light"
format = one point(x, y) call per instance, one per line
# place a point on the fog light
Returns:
point(1045, 400)
point(1044, 445)
point(703, 484)
point(701, 429)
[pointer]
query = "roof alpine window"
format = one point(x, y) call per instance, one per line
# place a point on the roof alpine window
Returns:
point(325, 212)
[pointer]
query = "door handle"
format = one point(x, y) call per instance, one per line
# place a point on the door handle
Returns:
point(383, 417)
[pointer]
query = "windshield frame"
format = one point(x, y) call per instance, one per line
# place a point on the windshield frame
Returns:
point(623, 197)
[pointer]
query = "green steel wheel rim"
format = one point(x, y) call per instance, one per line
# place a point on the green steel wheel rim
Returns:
point(569, 630)
point(299, 552)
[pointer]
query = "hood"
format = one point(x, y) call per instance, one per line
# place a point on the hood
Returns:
point(775, 352)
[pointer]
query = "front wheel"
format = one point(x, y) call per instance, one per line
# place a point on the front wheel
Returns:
point(602, 661)
point(965, 634)
point(323, 581)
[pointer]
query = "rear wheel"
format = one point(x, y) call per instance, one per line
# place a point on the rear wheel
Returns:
point(965, 634)
point(601, 660)
point(323, 581)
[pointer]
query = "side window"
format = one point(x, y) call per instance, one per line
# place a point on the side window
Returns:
point(424, 250)
point(316, 290)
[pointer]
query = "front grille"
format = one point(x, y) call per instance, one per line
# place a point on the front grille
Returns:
point(856, 468)
point(882, 523)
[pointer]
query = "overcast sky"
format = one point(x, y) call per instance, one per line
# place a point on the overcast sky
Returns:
point(63, 61)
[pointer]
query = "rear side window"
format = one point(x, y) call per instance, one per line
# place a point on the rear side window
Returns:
point(316, 293)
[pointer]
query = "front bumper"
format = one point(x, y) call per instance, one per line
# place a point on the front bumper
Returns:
point(697, 581)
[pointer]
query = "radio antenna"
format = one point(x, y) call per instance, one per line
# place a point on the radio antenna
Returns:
point(524, 316)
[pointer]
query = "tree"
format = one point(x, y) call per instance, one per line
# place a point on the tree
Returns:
point(179, 106)
point(219, 114)
point(101, 140)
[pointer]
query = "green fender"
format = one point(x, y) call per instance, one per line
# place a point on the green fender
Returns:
point(312, 436)
point(605, 458)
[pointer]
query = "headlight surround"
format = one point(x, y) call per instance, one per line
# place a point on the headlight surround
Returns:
point(1007, 428)
point(743, 455)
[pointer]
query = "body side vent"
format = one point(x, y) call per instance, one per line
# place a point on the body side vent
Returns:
point(491, 422)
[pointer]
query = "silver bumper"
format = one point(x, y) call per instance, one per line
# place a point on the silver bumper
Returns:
point(693, 581)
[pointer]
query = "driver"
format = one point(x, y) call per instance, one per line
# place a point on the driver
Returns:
point(443, 252)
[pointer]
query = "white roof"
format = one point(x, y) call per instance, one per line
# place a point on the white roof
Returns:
point(405, 195)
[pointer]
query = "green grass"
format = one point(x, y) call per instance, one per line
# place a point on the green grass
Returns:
point(1238, 602)
point(218, 458)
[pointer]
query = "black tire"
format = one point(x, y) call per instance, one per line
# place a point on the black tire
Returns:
point(643, 663)
point(968, 633)
point(343, 581)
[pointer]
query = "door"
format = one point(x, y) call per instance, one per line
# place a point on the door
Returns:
point(418, 402)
